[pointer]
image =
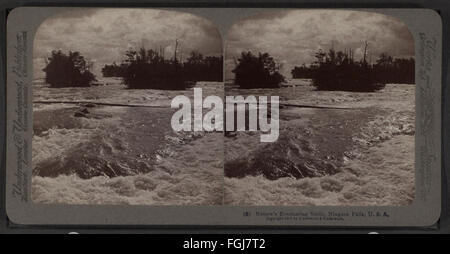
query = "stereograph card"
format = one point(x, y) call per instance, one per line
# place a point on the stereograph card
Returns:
point(232, 117)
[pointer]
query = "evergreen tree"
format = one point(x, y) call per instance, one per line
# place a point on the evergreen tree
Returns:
point(259, 71)
point(71, 70)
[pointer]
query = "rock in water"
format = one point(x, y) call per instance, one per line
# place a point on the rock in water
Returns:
point(81, 113)
point(284, 158)
point(89, 105)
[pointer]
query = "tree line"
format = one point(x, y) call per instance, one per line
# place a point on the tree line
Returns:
point(149, 69)
point(114, 70)
point(141, 69)
point(257, 71)
point(68, 70)
point(332, 70)
point(337, 70)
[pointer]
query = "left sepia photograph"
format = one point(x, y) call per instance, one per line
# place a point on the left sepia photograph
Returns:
point(103, 81)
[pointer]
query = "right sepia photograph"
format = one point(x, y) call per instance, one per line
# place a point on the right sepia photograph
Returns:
point(346, 86)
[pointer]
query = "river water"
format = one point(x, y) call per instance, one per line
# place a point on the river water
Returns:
point(88, 154)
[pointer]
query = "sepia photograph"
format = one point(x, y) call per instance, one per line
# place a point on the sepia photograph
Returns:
point(102, 89)
point(345, 81)
point(305, 108)
point(223, 119)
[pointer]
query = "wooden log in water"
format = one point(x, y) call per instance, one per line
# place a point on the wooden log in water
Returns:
point(101, 104)
point(161, 106)
point(315, 106)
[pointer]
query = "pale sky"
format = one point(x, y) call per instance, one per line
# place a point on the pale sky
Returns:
point(103, 35)
point(292, 37)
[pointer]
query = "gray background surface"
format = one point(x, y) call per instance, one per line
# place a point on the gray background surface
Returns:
point(442, 6)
